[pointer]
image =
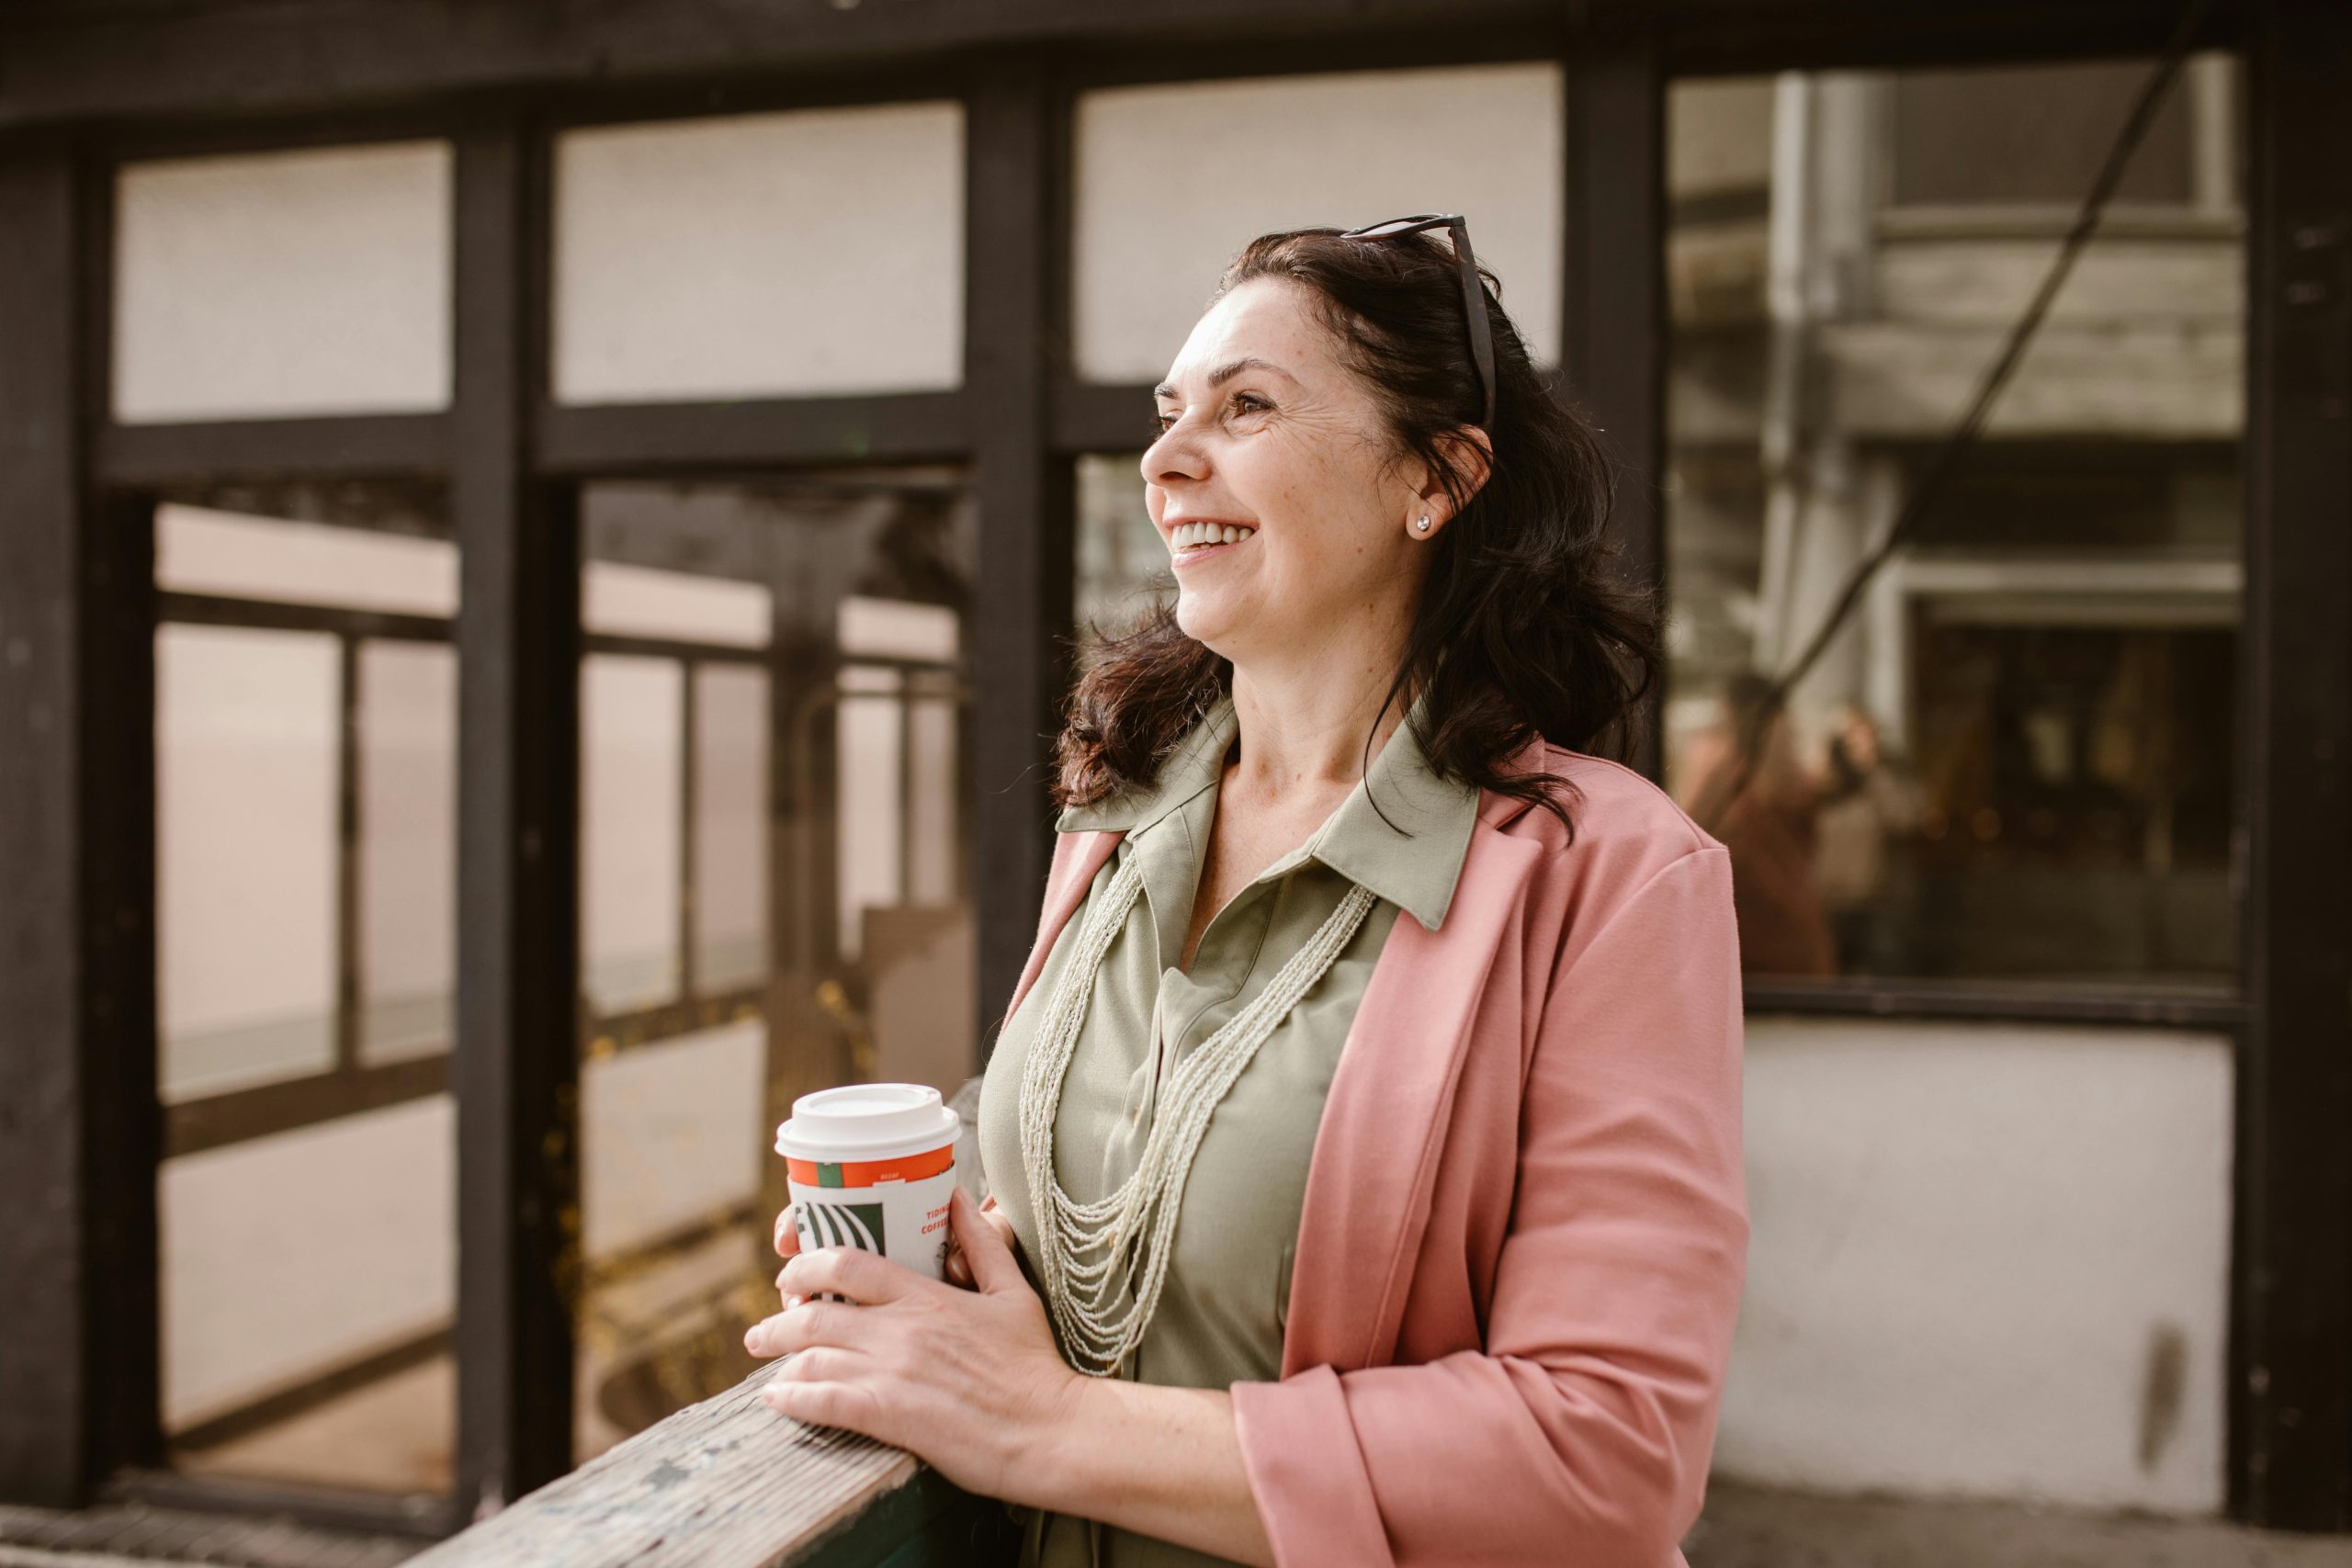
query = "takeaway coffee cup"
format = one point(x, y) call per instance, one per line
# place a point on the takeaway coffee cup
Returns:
point(872, 1166)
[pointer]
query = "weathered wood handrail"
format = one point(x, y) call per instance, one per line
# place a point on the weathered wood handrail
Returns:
point(730, 1483)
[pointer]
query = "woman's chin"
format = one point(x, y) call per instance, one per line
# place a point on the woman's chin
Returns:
point(1207, 618)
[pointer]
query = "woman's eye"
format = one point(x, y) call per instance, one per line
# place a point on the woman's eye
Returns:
point(1241, 402)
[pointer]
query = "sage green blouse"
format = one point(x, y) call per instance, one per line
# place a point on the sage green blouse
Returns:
point(1221, 1309)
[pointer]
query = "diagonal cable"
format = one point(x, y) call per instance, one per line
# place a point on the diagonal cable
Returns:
point(1965, 436)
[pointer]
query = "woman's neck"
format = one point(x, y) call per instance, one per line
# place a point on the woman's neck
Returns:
point(1303, 724)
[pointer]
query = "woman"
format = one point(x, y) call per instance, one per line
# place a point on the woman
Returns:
point(1465, 1236)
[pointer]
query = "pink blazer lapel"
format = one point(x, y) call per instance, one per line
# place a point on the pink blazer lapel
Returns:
point(1076, 857)
point(1369, 1179)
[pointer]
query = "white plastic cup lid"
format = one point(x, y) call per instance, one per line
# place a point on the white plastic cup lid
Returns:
point(867, 1121)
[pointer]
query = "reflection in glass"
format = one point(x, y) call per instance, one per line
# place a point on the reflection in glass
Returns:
point(1122, 562)
point(245, 762)
point(408, 873)
point(775, 764)
point(631, 828)
point(732, 717)
point(2011, 762)
point(306, 725)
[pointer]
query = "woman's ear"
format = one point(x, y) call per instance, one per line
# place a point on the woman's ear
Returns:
point(1467, 449)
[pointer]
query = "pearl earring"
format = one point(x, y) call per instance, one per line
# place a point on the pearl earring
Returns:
point(1423, 525)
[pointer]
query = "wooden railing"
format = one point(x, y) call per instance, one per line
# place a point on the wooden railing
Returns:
point(730, 1483)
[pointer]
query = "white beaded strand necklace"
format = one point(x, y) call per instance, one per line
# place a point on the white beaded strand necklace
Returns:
point(1082, 1292)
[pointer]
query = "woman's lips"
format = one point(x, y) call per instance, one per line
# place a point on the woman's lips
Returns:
point(1195, 555)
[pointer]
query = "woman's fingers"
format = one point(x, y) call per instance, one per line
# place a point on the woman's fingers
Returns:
point(959, 1267)
point(788, 1235)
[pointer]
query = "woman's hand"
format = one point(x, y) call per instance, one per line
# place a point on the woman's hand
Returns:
point(959, 1267)
point(969, 1381)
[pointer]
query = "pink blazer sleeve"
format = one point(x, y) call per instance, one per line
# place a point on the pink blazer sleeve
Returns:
point(1581, 1433)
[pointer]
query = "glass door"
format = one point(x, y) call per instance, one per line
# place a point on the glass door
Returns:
point(775, 772)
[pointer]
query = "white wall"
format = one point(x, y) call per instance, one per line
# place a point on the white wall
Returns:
point(1981, 1256)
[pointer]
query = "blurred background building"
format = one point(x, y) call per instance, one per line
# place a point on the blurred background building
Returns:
point(539, 551)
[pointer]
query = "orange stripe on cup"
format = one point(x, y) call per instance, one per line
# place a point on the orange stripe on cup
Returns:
point(867, 1172)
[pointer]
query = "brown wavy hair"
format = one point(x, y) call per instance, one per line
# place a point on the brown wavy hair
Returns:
point(1522, 630)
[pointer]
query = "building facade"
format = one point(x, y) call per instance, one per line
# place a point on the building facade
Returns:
point(539, 556)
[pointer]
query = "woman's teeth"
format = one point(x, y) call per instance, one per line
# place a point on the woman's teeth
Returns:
point(1186, 536)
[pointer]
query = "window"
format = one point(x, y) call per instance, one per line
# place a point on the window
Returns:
point(776, 893)
point(306, 749)
point(276, 284)
point(2012, 762)
point(1151, 234)
point(814, 252)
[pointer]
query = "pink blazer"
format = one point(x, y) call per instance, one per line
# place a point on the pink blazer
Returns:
point(1524, 1233)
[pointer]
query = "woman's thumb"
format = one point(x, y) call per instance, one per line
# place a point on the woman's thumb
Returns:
point(993, 1265)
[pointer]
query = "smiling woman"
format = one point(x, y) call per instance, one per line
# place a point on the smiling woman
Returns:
point(1363, 1139)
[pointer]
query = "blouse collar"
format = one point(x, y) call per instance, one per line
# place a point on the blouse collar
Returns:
point(1401, 832)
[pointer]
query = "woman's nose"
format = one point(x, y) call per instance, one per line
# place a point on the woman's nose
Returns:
point(1175, 456)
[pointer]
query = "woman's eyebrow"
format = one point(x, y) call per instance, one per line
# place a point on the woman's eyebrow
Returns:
point(1227, 372)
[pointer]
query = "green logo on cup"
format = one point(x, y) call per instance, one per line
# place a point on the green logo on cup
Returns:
point(847, 1224)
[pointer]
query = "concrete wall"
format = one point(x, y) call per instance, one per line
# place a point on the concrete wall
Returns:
point(1986, 1260)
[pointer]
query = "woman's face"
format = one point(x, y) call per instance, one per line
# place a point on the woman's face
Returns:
point(1266, 435)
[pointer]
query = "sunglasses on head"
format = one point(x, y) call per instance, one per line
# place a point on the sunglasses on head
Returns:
point(1474, 297)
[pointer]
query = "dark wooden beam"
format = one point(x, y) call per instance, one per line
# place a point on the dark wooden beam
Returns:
point(63, 61)
point(157, 455)
point(2292, 1354)
point(1014, 348)
point(335, 620)
point(43, 1090)
point(1612, 321)
point(1755, 37)
point(345, 1508)
point(263, 1110)
point(1089, 416)
point(69, 62)
point(516, 1069)
point(1921, 999)
point(78, 1120)
point(641, 439)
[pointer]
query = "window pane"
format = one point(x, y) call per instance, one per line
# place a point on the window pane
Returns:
point(246, 778)
point(283, 283)
point(1121, 561)
point(307, 867)
point(203, 549)
point(1152, 232)
point(632, 730)
point(408, 871)
point(731, 722)
point(636, 600)
point(783, 658)
point(2012, 762)
point(819, 251)
point(309, 1283)
point(2033, 135)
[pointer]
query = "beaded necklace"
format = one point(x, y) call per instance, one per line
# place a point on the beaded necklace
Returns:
point(1089, 1251)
